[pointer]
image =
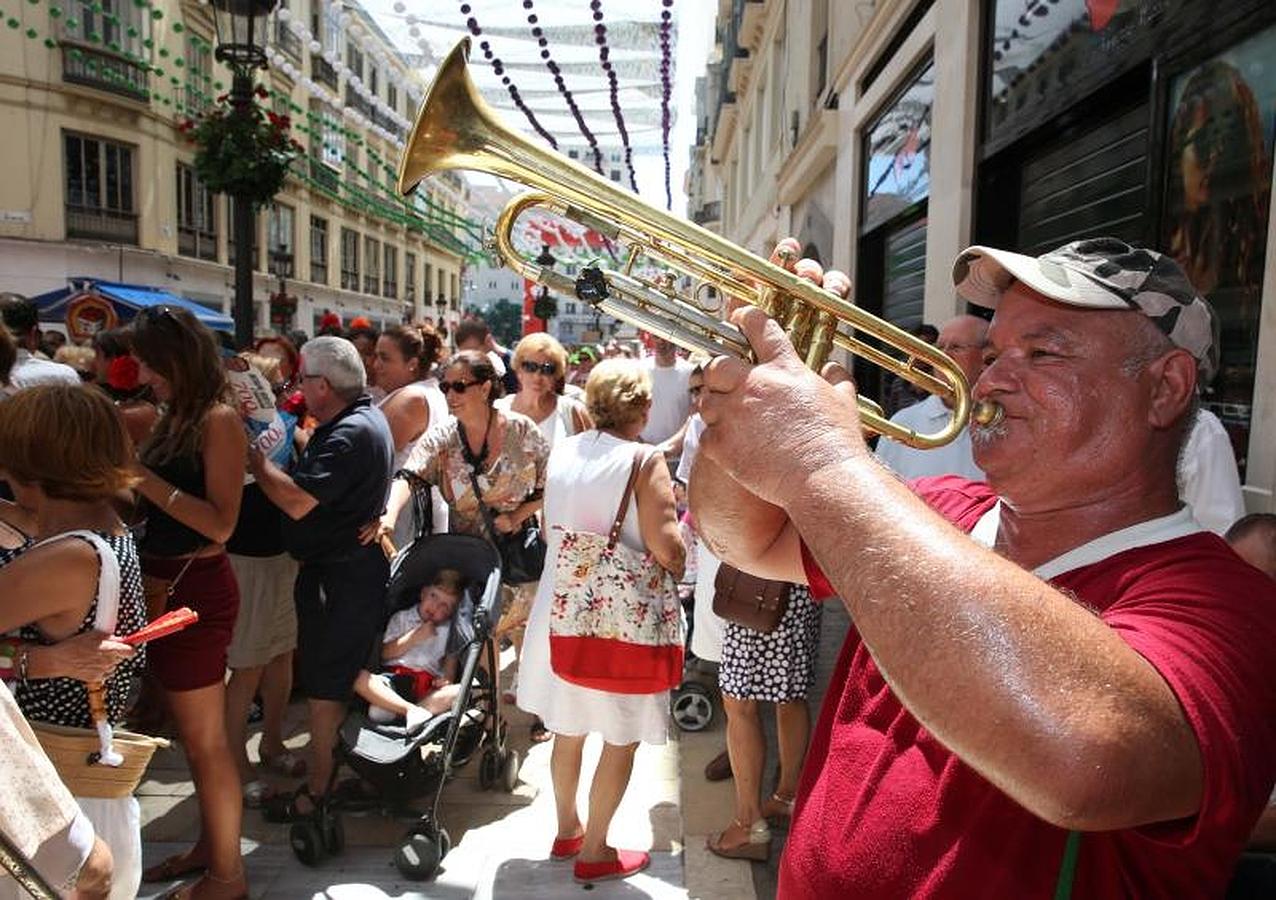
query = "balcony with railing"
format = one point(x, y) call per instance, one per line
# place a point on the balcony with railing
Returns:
point(357, 102)
point(324, 175)
point(94, 223)
point(196, 243)
point(382, 119)
point(286, 40)
point(104, 70)
point(323, 72)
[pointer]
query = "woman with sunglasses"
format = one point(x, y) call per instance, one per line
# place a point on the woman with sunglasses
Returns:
point(191, 477)
point(503, 451)
point(405, 360)
point(540, 362)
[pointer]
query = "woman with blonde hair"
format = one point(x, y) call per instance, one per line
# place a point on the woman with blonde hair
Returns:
point(191, 476)
point(540, 363)
point(584, 484)
point(65, 454)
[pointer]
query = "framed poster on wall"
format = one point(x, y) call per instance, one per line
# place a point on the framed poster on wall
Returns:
point(1220, 130)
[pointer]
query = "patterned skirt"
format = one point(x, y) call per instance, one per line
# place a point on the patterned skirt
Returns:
point(778, 667)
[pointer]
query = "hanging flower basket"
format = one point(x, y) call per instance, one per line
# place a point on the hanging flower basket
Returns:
point(244, 152)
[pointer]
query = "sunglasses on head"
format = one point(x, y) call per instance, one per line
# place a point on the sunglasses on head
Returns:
point(545, 368)
point(458, 386)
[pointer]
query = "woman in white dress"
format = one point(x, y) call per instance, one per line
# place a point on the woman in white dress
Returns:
point(585, 480)
point(405, 360)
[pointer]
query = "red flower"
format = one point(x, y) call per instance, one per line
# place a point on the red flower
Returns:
point(121, 374)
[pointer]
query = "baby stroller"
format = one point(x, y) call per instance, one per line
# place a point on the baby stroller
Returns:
point(394, 762)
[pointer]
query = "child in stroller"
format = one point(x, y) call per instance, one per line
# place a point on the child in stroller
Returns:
point(402, 764)
point(418, 678)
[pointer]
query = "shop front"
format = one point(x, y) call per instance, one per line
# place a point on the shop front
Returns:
point(1148, 120)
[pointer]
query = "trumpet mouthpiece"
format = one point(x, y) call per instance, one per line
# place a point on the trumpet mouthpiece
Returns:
point(988, 413)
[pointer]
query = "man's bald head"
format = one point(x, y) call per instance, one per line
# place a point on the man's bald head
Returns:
point(963, 339)
point(1253, 537)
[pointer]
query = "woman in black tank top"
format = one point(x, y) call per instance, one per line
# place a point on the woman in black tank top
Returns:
point(191, 473)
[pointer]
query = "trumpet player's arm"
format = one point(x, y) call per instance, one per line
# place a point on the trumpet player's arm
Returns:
point(278, 486)
point(1025, 685)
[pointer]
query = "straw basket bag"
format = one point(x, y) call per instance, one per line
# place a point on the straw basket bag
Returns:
point(74, 751)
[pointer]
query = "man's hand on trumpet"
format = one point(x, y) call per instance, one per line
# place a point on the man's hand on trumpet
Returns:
point(766, 421)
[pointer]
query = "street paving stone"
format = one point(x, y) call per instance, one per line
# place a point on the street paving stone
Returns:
point(500, 841)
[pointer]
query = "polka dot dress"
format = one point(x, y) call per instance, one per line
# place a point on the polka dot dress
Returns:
point(778, 667)
point(64, 701)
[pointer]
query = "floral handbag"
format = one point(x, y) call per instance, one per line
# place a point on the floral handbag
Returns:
point(615, 622)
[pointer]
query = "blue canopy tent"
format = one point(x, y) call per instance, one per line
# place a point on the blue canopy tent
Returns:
point(88, 304)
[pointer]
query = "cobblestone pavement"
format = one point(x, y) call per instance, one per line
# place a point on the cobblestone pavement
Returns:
point(500, 841)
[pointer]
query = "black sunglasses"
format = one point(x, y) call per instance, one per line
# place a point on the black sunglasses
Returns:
point(458, 386)
point(545, 368)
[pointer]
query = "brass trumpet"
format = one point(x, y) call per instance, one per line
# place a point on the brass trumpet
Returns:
point(456, 129)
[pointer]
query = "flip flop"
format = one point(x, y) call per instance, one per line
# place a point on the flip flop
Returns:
point(173, 868)
point(626, 863)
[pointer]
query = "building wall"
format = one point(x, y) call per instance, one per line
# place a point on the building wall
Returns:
point(768, 187)
point(38, 106)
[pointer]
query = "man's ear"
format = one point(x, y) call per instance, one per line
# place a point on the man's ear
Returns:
point(1173, 383)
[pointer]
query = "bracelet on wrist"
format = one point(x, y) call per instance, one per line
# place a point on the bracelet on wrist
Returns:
point(22, 664)
point(172, 498)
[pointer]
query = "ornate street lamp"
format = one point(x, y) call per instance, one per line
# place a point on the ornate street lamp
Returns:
point(241, 45)
point(544, 308)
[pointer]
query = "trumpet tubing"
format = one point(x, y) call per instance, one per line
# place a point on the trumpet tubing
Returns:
point(456, 129)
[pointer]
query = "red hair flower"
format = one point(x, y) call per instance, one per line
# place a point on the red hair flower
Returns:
point(122, 372)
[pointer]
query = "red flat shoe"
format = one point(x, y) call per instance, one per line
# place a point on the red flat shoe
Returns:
point(626, 863)
point(566, 848)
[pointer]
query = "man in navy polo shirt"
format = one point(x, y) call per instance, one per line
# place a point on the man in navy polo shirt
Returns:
point(339, 483)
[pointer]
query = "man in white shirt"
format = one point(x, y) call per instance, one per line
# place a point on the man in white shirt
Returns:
point(1209, 481)
point(670, 402)
point(23, 321)
point(963, 339)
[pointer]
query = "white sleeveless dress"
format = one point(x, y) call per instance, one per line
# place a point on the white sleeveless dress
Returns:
point(436, 403)
point(586, 476)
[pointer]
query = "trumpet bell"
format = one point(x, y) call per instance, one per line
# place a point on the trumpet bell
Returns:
point(456, 129)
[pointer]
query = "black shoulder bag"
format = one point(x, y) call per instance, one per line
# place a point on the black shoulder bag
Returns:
point(522, 552)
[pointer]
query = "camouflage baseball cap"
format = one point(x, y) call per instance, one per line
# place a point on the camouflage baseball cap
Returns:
point(1101, 273)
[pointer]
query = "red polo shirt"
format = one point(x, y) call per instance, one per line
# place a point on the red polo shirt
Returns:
point(885, 810)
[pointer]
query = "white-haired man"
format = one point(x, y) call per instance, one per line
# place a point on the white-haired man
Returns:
point(1082, 697)
point(339, 483)
point(963, 339)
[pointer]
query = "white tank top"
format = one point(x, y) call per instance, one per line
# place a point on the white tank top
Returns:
point(584, 481)
point(436, 404)
point(557, 426)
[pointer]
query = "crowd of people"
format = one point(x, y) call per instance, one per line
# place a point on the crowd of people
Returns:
point(1058, 677)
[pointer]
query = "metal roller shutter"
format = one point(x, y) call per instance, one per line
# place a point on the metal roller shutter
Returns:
point(905, 282)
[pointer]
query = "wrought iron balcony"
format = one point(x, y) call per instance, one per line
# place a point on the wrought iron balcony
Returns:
point(97, 224)
point(323, 72)
point(104, 70)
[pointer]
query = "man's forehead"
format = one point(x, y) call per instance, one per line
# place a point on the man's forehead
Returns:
point(1022, 312)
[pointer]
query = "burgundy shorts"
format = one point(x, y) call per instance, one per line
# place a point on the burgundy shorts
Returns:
point(196, 656)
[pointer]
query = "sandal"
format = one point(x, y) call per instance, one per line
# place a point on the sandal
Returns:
point(778, 807)
point(757, 847)
point(539, 733)
point(287, 764)
point(187, 891)
point(173, 868)
point(281, 809)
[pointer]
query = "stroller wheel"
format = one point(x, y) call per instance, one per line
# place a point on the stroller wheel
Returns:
point(419, 856)
point(307, 842)
point(509, 771)
point(691, 706)
point(489, 769)
point(334, 834)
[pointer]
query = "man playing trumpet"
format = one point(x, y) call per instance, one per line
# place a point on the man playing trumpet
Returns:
point(1054, 680)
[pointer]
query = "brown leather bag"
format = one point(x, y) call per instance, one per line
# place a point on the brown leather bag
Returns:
point(755, 603)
